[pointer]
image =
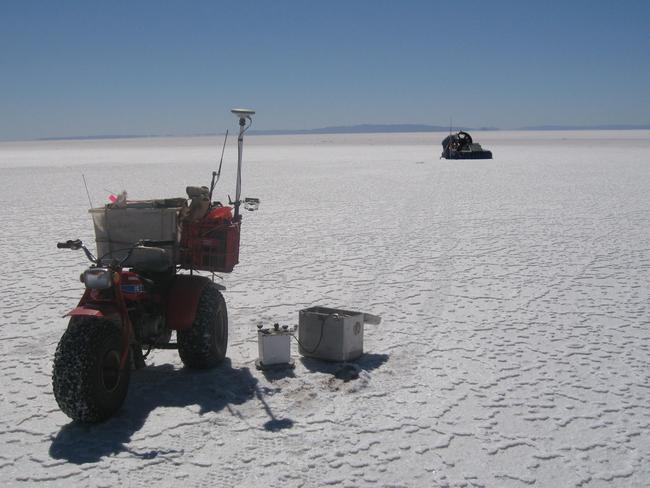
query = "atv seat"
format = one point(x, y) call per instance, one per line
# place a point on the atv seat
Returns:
point(153, 259)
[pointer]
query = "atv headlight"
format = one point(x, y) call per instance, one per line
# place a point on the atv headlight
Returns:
point(98, 278)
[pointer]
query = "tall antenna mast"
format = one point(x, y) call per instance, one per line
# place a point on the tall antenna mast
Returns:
point(217, 174)
point(87, 192)
point(243, 115)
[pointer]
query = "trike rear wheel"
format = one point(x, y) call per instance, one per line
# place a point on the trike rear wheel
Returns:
point(204, 344)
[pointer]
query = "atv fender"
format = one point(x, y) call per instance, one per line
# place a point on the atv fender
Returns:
point(106, 311)
point(183, 299)
point(84, 312)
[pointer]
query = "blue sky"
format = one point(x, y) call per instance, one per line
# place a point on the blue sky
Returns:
point(177, 67)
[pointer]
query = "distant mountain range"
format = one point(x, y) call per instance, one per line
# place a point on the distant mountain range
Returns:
point(99, 137)
point(588, 127)
point(368, 129)
point(388, 128)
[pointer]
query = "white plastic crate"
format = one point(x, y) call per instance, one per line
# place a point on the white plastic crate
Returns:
point(274, 347)
point(117, 229)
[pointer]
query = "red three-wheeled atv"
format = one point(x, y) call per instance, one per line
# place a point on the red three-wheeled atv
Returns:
point(136, 294)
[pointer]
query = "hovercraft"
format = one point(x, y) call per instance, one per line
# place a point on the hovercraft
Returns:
point(461, 146)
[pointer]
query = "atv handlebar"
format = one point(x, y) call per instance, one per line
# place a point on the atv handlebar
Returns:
point(75, 245)
point(78, 244)
point(152, 243)
point(69, 244)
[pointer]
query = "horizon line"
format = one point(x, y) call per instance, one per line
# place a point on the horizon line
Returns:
point(347, 129)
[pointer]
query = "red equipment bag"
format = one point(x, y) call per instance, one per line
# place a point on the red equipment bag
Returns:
point(212, 243)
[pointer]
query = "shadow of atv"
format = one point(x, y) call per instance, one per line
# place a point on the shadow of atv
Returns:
point(154, 387)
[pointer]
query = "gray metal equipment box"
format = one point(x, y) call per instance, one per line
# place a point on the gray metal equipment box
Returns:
point(330, 333)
